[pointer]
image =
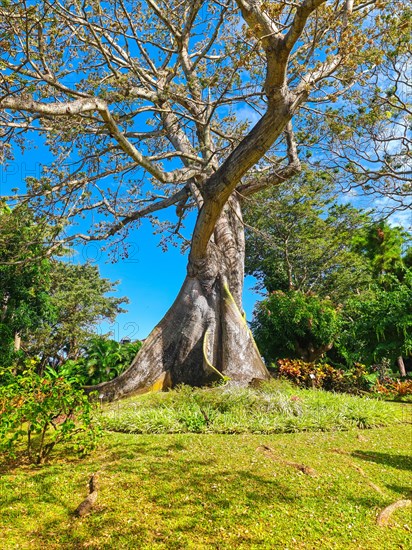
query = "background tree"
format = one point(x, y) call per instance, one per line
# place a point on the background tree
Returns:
point(152, 94)
point(300, 238)
point(24, 278)
point(387, 249)
point(50, 308)
point(379, 326)
point(304, 247)
point(79, 299)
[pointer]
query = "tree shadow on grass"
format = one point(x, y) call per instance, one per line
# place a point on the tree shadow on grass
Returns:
point(401, 462)
point(185, 495)
point(405, 492)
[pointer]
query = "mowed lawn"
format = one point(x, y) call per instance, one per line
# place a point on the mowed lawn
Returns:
point(301, 490)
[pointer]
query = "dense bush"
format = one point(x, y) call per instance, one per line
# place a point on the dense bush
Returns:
point(379, 325)
point(102, 360)
point(323, 375)
point(293, 324)
point(43, 411)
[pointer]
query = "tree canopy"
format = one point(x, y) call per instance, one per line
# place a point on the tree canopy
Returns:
point(156, 95)
point(24, 276)
point(292, 324)
point(299, 237)
point(387, 248)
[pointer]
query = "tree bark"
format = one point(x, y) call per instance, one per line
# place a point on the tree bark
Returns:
point(401, 366)
point(311, 353)
point(17, 341)
point(204, 336)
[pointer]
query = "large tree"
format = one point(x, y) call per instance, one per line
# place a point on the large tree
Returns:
point(156, 94)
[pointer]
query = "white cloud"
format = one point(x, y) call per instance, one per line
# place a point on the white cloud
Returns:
point(400, 214)
point(247, 114)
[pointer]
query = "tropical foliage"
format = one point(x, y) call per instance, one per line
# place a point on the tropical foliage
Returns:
point(378, 326)
point(49, 307)
point(293, 324)
point(101, 359)
point(358, 379)
point(337, 278)
point(40, 412)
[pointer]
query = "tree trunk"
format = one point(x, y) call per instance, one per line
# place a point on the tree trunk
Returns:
point(17, 341)
point(311, 353)
point(204, 335)
point(401, 366)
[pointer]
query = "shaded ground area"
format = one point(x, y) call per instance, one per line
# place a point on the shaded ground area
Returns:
point(218, 491)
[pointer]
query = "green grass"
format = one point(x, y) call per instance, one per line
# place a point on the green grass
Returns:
point(217, 491)
point(275, 407)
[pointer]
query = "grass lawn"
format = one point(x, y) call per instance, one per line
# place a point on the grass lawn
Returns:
point(273, 407)
point(298, 490)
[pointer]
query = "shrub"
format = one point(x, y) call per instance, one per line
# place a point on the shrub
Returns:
point(44, 411)
point(296, 371)
point(102, 360)
point(295, 325)
point(394, 389)
point(323, 375)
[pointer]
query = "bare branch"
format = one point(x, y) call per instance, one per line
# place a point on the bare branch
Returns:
point(80, 106)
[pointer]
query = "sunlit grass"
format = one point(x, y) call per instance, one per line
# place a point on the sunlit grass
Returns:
point(275, 407)
point(217, 491)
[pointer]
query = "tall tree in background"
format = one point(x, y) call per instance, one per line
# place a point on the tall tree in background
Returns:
point(77, 295)
point(303, 257)
point(379, 326)
point(154, 95)
point(24, 277)
point(300, 238)
point(49, 307)
point(386, 248)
